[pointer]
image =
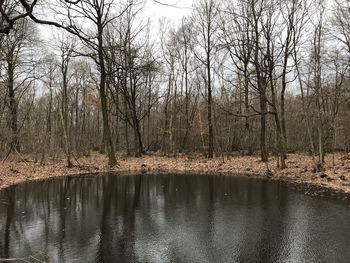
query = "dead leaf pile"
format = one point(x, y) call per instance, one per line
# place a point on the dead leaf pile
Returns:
point(299, 168)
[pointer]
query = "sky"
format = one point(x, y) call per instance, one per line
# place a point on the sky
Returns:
point(172, 9)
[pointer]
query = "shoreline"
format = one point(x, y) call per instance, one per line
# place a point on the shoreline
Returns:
point(299, 169)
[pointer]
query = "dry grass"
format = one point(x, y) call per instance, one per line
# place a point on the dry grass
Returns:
point(299, 168)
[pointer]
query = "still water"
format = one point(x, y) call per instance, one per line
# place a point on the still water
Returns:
point(170, 219)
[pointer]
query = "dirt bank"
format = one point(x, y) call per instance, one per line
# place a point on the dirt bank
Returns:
point(299, 168)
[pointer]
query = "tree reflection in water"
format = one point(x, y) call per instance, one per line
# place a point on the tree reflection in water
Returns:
point(170, 219)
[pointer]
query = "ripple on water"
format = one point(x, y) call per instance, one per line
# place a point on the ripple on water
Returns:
point(171, 219)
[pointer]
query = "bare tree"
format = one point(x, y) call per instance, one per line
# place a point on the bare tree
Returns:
point(100, 14)
point(237, 40)
point(66, 51)
point(19, 73)
point(207, 22)
point(316, 65)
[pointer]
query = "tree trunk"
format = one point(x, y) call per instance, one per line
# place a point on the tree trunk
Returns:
point(15, 145)
point(210, 121)
point(137, 134)
point(263, 109)
point(64, 116)
point(126, 127)
point(103, 96)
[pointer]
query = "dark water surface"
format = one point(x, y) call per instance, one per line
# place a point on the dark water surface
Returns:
point(171, 219)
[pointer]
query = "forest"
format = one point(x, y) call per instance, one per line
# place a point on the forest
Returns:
point(174, 131)
point(267, 77)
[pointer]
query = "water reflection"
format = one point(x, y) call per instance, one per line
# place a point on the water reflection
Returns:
point(170, 219)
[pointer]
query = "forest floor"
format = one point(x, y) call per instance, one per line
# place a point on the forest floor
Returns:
point(300, 168)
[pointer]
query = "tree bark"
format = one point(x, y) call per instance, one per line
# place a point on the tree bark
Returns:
point(210, 120)
point(112, 161)
point(15, 145)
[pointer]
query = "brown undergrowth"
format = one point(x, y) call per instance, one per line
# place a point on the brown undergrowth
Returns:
point(299, 168)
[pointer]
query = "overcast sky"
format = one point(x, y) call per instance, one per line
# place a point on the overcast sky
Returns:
point(175, 11)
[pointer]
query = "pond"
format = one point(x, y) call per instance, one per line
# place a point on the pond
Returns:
point(173, 218)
